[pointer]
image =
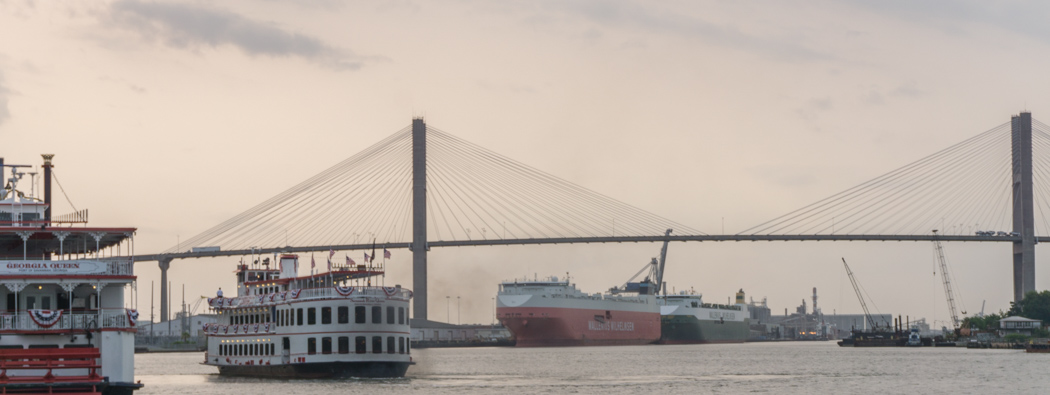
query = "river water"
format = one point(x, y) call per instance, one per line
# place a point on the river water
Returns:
point(779, 368)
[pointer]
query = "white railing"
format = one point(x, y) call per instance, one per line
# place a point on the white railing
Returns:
point(110, 318)
point(310, 293)
point(123, 266)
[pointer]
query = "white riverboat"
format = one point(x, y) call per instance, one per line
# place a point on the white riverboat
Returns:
point(332, 324)
point(67, 327)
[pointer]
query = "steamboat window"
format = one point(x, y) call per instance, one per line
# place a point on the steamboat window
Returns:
point(390, 314)
point(389, 344)
point(401, 345)
point(311, 346)
point(408, 346)
point(326, 345)
point(344, 345)
point(344, 314)
point(311, 316)
point(377, 344)
point(359, 344)
point(400, 315)
point(359, 314)
point(326, 315)
point(299, 316)
point(377, 315)
point(273, 349)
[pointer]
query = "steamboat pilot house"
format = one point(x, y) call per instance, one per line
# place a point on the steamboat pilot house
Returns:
point(332, 324)
point(66, 326)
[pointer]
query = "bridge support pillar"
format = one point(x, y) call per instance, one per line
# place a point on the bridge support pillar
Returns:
point(1023, 213)
point(164, 263)
point(419, 218)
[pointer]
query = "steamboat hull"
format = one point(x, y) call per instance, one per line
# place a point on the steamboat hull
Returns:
point(550, 327)
point(320, 370)
point(687, 329)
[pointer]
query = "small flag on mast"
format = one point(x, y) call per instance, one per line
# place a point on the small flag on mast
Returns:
point(331, 253)
point(386, 254)
point(366, 257)
point(350, 261)
point(312, 263)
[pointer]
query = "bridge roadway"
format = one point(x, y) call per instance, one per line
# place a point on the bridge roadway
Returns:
point(584, 240)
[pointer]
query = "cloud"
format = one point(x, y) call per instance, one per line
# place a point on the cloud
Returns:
point(1023, 17)
point(189, 27)
point(5, 114)
point(646, 17)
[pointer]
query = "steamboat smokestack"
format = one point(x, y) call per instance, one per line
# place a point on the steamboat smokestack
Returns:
point(47, 186)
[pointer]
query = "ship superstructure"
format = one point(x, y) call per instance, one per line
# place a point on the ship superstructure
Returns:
point(67, 326)
point(332, 324)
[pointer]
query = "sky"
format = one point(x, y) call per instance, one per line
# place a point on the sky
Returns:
point(174, 116)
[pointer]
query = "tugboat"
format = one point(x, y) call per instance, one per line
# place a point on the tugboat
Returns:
point(67, 327)
point(281, 325)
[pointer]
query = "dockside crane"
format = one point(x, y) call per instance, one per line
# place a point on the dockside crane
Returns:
point(947, 282)
point(860, 297)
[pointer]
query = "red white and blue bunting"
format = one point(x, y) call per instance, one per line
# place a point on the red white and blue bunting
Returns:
point(390, 291)
point(235, 327)
point(256, 328)
point(245, 328)
point(272, 296)
point(345, 291)
point(133, 317)
point(266, 328)
point(45, 318)
point(225, 329)
point(295, 293)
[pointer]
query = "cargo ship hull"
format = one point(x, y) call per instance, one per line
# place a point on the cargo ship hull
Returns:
point(688, 329)
point(545, 327)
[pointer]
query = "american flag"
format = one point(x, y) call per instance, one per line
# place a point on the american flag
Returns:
point(312, 263)
point(366, 257)
point(386, 254)
point(350, 261)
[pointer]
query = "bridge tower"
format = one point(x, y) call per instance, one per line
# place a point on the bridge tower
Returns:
point(419, 218)
point(1023, 213)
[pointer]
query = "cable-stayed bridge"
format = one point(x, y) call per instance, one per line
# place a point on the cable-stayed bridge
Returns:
point(422, 187)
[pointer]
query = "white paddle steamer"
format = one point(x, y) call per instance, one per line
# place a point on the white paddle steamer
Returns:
point(66, 326)
point(333, 324)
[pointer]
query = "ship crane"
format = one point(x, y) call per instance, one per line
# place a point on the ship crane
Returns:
point(655, 278)
point(947, 282)
point(863, 306)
